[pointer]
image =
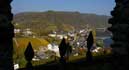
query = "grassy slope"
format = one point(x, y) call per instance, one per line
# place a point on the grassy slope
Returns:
point(21, 45)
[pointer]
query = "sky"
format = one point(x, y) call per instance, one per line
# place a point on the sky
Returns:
point(100, 7)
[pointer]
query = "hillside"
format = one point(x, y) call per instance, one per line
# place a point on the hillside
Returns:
point(45, 22)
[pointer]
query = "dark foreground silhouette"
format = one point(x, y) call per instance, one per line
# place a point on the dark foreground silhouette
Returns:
point(29, 54)
point(90, 42)
point(100, 63)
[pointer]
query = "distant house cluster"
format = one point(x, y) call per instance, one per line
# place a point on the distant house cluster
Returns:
point(24, 32)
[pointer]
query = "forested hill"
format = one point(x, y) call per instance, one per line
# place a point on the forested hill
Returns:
point(59, 20)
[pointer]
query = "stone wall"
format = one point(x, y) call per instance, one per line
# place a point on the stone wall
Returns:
point(120, 27)
point(120, 31)
point(6, 35)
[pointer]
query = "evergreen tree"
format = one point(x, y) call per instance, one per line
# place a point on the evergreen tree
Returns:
point(62, 50)
point(90, 41)
point(29, 54)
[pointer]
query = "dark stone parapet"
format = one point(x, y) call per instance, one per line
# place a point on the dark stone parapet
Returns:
point(6, 35)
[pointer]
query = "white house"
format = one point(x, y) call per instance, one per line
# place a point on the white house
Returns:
point(55, 48)
point(71, 34)
point(27, 32)
point(62, 36)
point(17, 30)
point(97, 49)
point(16, 66)
point(52, 35)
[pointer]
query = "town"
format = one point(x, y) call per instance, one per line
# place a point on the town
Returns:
point(76, 38)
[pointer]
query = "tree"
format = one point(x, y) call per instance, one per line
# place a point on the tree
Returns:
point(29, 54)
point(90, 41)
point(62, 50)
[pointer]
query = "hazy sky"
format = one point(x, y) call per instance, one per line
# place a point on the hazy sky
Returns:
point(102, 7)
